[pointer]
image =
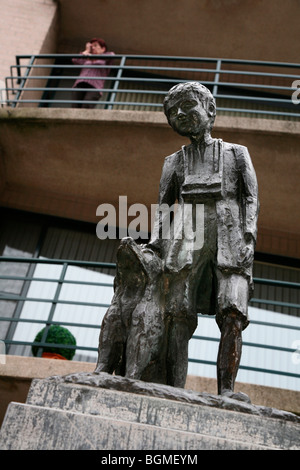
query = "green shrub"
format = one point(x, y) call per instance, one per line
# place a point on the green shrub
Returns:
point(56, 335)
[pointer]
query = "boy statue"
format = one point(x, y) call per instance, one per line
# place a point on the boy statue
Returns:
point(206, 259)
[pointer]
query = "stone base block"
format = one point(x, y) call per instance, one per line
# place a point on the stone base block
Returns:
point(101, 412)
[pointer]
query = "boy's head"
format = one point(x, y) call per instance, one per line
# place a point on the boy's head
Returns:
point(190, 107)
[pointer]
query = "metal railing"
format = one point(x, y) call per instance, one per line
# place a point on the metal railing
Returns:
point(56, 299)
point(243, 88)
point(53, 301)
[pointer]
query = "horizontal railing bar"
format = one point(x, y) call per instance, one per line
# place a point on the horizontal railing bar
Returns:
point(44, 279)
point(160, 57)
point(101, 264)
point(270, 371)
point(274, 282)
point(50, 345)
point(257, 111)
point(253, 85)
point(126, 103)
point(19, 259)
point(17, 298)
point(278, 325)
point(152, 80)
point(119, 103)
point(53, 322)
point(107, 78)
point(17, 342)
point(153, 68)
point(254, 369)
point(254, 98)
point(26, 320)
point(275, 302)
point(112, 66)
point(246, 343)
point(90, 325)
point(140, 79)
point(256, 322)
point(108, 90)
point(90, 304)
point(134, 103)
point(153, 92)
point(124, 90)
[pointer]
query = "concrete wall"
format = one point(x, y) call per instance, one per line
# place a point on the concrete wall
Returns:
point(26, 27)
point(241, 29)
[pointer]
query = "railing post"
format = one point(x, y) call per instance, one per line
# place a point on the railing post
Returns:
point(25, 287)
point(53, 307)
point(22, 80)
point(2, 90)
point(7, 92)
point(116, 84)
point(217, 77)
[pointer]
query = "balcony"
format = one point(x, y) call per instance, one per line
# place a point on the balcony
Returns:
point(46, 175)
point(241, 88)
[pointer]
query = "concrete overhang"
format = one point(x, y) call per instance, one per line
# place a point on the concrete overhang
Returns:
point(66, 162)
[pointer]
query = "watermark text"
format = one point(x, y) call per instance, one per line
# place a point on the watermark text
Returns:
point(296, 93)
point(180, 221)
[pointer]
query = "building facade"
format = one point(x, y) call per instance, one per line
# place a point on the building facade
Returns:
point(60, 164)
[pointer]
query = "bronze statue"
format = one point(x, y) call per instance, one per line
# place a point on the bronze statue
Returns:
point(203, 265)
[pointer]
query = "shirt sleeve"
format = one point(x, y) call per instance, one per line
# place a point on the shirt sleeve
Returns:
point(250, 199)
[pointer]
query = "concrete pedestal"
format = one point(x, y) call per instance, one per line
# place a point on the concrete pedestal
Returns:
point(88, 412)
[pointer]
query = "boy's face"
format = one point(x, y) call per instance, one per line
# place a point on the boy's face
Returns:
point(187, 115)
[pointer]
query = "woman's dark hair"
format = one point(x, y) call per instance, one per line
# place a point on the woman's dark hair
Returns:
point(100, 41)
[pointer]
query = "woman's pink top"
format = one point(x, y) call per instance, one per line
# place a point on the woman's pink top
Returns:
point(93, 76)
